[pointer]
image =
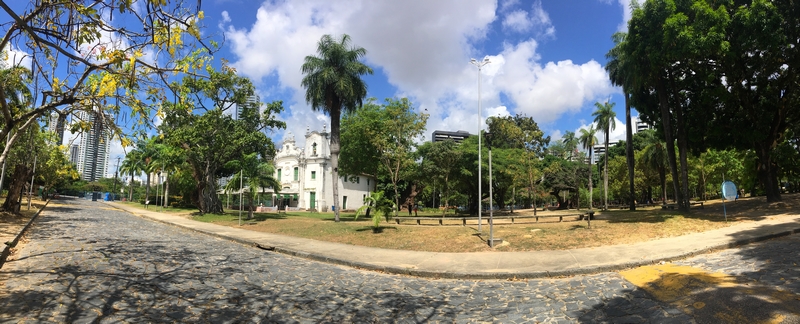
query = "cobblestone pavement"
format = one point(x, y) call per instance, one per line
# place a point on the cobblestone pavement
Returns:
point(87, 263)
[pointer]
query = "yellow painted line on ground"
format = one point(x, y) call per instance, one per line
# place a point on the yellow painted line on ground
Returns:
point(715, 296)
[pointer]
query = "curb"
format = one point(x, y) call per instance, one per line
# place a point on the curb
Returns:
point(471, 276)
point(7, 249)
point(519, 275)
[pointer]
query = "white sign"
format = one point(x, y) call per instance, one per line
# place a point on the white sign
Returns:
point(729, 191)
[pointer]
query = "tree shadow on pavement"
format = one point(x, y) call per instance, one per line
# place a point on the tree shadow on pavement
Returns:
point(755, 283)
point(130, 280)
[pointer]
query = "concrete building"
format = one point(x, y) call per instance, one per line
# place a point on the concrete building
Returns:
point(305, 176)
point(250, 103)
point(600, 149)
point(55, 125)
point(640, 126)
point(458, 136)
point(94, 148)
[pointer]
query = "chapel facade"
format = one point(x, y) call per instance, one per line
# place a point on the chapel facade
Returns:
point(305, 176)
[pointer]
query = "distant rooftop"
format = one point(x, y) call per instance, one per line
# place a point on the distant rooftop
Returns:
point(457, 137)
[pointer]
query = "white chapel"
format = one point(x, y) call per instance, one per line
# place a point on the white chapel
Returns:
point(305, 176)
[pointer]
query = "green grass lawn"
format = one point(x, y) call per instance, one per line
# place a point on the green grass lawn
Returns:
point(611, 227)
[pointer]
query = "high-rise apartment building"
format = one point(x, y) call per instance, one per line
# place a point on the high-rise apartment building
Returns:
point(94, 148)
point(250, 103)
point(55, 125)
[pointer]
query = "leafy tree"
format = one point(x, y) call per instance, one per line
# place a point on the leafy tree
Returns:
point(440, 163)
point(211, 139)
point(22, 163)
point(521, 144)
point(390, 129)
point(588, 140)
point(559, 176)
point(677, 47)
point(333, 83)
point(55, 170)
point(83, 61)
point(604, 118)
point(762, 82)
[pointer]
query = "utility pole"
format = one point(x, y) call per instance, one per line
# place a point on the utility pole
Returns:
point(116, 172)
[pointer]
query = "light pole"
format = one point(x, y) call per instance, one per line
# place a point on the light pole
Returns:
point(158, 187)
point(116, 172)
point(241, 191)
point(491, 206)
point(480, 122)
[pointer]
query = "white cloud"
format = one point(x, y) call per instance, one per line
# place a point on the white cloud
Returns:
point(626, 14)
point(541, 20)
point(423, 59)
point(517, 21)
point(506, 5)
point(16, 57)
point(546, 91)
point(538, 21)
point(423, 48)
point(617, 134)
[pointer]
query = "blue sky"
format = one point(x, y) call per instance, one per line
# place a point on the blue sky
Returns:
point(547, 56)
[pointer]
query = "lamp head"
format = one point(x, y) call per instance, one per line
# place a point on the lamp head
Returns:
point(473, 61)
point(486, 60)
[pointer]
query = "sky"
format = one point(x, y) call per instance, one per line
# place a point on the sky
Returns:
point(546, 57)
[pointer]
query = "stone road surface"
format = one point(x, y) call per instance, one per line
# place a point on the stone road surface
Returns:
point(86, 263)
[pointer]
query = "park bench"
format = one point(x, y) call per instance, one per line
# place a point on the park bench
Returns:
point(692, 203)
point(580, 216)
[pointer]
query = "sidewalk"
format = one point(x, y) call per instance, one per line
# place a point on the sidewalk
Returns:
point(495, 265)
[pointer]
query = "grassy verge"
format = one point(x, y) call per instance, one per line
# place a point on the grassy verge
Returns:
point(612, 227)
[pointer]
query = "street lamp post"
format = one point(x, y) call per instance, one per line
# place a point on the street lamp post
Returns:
point(480, 65)
point(491, 205)
point(241, 191)
point(158, 187)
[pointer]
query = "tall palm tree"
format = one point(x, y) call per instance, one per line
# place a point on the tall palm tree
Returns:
point(604, 118)
point(132, 164)
point(333, 82)
point(654, 156)
point(621, 73)
point(588, 140)
point(257, 173)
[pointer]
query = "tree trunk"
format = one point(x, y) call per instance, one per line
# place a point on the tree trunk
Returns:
point(605, 173)
point(166, 191)
point(683, 148)
point(18, 181)
point(207, 200)
point(591, 206)
point(131, 188)
point(667, 127)
point(767, 174)
point(662, 175)
point(629, 152)
point(249, 206)
point(147, 189)
point(335, 115)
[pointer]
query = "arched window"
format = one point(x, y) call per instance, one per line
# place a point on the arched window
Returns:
point(314, 149)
